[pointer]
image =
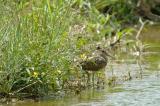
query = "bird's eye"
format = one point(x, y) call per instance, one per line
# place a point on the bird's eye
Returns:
point(98, 48)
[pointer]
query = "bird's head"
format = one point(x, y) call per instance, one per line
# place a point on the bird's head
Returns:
point(104, 53)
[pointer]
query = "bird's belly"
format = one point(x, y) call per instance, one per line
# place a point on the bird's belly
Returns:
point(93, 67)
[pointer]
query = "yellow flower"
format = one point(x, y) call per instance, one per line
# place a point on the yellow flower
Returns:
point(59, 71)
point(83, 56)
point(35, 74)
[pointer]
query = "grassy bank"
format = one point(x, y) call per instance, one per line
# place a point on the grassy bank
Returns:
point(42, 39)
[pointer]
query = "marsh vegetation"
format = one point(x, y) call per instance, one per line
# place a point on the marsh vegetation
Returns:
point(43, 41)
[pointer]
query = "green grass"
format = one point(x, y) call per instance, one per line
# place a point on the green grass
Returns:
point(37, 51)
point(35, 46)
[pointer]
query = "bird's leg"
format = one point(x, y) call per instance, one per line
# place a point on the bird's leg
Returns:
point(83, 78)
point(98, 80)
point(93, 79)
point(88, 78)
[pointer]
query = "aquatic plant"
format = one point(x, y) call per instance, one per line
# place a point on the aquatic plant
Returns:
point(40, 41)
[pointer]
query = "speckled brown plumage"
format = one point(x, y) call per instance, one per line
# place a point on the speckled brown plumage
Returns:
point(96, 62)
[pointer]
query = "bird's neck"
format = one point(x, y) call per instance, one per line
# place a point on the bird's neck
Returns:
point(104, 56)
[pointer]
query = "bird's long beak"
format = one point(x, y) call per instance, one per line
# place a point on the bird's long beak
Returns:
point(108, 54)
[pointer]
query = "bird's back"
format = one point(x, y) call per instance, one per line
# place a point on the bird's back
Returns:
point(94, 63)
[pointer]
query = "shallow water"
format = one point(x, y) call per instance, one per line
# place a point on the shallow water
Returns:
point(137, 92)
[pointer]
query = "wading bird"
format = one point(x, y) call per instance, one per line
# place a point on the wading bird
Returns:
point(96, 62)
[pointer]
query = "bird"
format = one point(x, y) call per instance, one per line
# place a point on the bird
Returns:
point(96, 62)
